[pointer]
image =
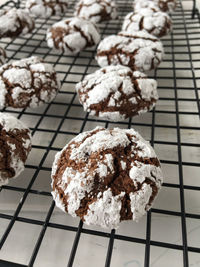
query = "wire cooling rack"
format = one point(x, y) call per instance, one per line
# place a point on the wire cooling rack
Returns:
point(33, 232)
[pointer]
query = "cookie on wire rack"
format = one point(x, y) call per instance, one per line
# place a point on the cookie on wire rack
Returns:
point(154, 22)
point(72, 35)
point(106, 176)
point(28, 82)
point(137, 50)
point(163, 5)
point(96, 10)
point(15, 145)
point(117, 93)
point(47, 8)
point(15, 22)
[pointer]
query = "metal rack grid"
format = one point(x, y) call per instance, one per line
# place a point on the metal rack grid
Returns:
point(172, 128)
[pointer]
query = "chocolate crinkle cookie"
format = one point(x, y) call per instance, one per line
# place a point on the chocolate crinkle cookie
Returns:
point(154, 22)
point(137, 50)
point(140, 4)
point(106, 176)
point(72, 35)
point(14, 22)
point(96, 10)
point(166, 5)
point(27, 83)
point(46, 8)
point(116, 93)
point(15, 145)
point(2, 56)
point(163, 5)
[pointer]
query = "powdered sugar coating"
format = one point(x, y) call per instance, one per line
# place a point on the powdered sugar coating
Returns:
point(2, 56)
point(163, 5)
point(100, 211)
point(27, 83)
point(72, 35)
point(116, 93)
point(140, 4)
point(154, 22)
point(139, 201)
point(46, 8)
point(96, 10)
point(94, 168)
point(10, 123)
point(137, 50)
point(15, 144)
point(15, 22)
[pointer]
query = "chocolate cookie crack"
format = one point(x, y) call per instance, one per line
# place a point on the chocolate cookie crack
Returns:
point(58, 33)
point(163, 5)
point(19, 29)
point(6, 170)
point(65, 160)
point(115, 51)
point(51, 5)
point(141, 23)
point(103, 13)
point(123, 34)
point(118, 182)
point(25, 97)
point(137, 19)
point(106, 180)
point(88, 42)
point(7, 138)
point(17, 137)
point(122, 103)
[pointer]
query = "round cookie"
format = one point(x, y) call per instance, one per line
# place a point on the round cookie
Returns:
point(15, 145)
point(96, 10)
point(27, 83)
point(46, 8)
point(154, 22)
point(72, 35)
point(116, 93)
point(137, 50)
point(2, 56)
point(140, 4)
point(163, 5)
point(106, 176)
point(14, 22)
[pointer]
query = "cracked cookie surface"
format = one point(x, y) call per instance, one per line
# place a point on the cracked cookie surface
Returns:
point(106, 176)
point(137, 50)
point(96, 10)
point(15, 145)
point(154, 22)
point(14, 22)
point(27, 83)
point(163, 5)
point(72, 35)
point(46, 8)
point(116, 93)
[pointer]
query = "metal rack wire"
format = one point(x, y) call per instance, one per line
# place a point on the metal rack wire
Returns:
point(178, 112)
